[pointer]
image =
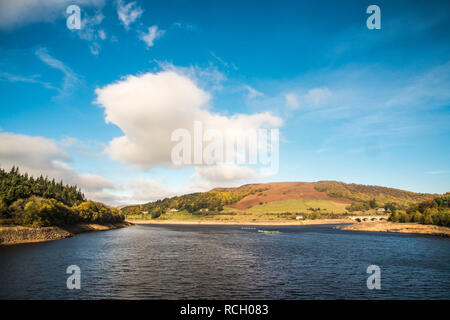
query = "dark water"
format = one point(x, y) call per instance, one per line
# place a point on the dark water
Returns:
point(229, 262)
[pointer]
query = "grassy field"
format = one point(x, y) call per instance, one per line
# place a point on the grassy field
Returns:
point(285, 210)
point(298, 206)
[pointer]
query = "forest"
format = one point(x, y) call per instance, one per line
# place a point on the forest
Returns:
point(39, 202)
point(434, 211)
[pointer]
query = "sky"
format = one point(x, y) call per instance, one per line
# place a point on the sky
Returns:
point(97, 106)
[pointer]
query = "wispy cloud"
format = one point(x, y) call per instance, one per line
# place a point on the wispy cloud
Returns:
point(187, 26)
point(291, 100)
point(70, 78)
point(252, 92)
point(223, 62)
point(5, 76)
point(128, 13)
point(152, 34)
point(438, 172)
point(89, 31)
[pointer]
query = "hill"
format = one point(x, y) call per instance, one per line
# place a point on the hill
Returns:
point(310, 198)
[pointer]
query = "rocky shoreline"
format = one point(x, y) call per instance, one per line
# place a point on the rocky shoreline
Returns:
point(10, 235)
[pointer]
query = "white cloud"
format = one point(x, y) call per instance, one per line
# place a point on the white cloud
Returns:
point(209, 78)
point(148, 190)
point(17, 13)
point(150, 106)
point(70, 78)
point(102, 34)
point(187, 26)
point(252, 92)
point(315, 97)
point(88, 26)
point(151, 36)
point(94, 48)
point(437, 172)
point(223, 62)
point(38, 155)
point(89, 32)
point(16, 149)
point(318, 96)
point(128, 13)
point(291, 100)
point(226, 173)
point(5, 76)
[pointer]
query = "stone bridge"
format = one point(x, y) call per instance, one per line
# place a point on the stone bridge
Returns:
point(369, 218)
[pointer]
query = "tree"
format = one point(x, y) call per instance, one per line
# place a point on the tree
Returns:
point(417, 217)
point(3, 209)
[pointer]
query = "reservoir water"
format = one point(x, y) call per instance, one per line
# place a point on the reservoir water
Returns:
point(228, 262)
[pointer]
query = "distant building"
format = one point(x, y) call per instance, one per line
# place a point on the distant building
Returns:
point(173, 210)
point(299, 217)
point(381, 210)
point(144, 212)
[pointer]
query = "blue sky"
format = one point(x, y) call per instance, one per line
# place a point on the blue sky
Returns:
point(351, 104)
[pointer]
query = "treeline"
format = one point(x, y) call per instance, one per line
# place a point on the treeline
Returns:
point(366, 193)
point(25, 200)
point(365, 205)
point(366, 197)
point(15, 186)
point(212, 201)
point(434, 211)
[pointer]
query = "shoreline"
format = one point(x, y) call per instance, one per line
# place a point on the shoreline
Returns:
point(346, 224)
point(396, 227)
point(243, 223)
point(11, 235)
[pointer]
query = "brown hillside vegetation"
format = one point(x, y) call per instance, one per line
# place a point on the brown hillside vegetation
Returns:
point(277, 191)
point(322, 190)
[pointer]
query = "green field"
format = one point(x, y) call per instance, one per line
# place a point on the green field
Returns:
point(284, 210)
point(299, 206)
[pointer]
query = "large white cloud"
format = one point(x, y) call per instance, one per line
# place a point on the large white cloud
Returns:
point(150, 106)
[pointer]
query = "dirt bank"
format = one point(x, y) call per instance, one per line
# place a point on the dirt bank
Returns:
point(386, 226)
point(18, 234)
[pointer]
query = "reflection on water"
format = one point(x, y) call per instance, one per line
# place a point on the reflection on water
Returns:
point(228, 262)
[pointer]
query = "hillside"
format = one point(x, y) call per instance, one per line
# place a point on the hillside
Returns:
point(279, 191)
point(323, 197)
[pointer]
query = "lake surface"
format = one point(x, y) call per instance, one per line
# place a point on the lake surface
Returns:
point(228, 262)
